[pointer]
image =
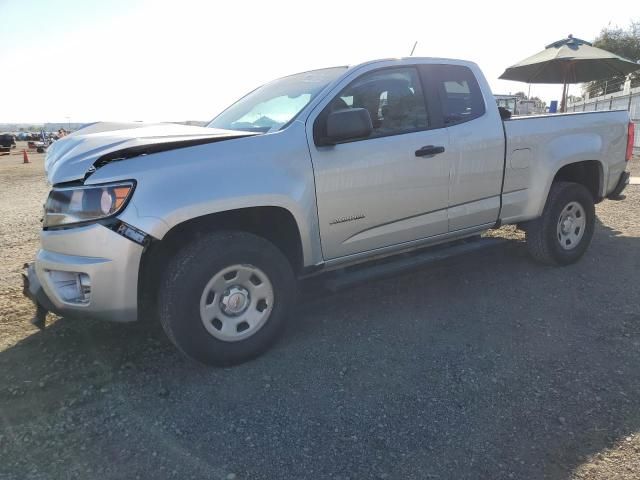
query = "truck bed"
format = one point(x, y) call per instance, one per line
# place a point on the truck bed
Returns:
point(538, 146)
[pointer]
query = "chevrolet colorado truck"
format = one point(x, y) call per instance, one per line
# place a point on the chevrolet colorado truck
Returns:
point(210, 228)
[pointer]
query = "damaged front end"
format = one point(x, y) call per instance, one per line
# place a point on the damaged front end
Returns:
point(75, 157)
point(32, 289)
point(88, 263)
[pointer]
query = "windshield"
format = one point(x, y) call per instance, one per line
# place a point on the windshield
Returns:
point(271, 106)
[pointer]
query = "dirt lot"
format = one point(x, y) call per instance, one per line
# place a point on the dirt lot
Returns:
point(485, 366)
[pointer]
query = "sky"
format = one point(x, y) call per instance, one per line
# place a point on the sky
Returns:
point(155, 60)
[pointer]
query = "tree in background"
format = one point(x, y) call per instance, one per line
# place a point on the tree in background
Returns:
point(623, 42)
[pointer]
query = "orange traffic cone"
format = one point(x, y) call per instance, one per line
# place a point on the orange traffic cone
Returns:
point(25, 157)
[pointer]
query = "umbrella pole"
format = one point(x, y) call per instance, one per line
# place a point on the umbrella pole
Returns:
point(563, 102)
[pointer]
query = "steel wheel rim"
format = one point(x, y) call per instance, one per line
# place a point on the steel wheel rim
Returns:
point(236, 302)
point(571, 225)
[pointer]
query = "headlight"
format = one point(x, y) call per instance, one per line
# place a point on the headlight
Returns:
point(67, 206)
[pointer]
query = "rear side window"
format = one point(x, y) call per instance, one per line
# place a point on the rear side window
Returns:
point(459, 93)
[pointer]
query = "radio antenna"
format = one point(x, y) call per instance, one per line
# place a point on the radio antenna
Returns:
point(413, 49)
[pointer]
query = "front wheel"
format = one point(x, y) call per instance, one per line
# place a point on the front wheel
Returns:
point(564, 231)
point(225, 297)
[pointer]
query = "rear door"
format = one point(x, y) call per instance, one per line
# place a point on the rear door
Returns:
point(476, 142)
point(382, 191)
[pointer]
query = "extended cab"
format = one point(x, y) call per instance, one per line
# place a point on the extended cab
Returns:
point(210, 228)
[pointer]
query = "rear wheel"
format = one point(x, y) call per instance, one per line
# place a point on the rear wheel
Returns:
point(225, 297)
point(564, 230)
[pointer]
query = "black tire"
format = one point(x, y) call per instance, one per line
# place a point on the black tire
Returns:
point(184, 282)
point(542, 234)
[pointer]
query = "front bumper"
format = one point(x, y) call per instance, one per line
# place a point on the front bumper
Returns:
point(109, 260)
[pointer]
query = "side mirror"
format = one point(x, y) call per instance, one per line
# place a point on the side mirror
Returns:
point(348, 124)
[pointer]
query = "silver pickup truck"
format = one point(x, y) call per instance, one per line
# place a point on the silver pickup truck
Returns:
point(210, 228)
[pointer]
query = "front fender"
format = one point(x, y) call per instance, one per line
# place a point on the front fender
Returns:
point(271, 170)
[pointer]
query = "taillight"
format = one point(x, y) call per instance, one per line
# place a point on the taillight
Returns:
point(630, 137)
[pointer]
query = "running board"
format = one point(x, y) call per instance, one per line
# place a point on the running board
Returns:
point(346, 277)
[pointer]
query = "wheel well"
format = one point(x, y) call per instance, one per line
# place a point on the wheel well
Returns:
point(587, 173)
point(272, 223)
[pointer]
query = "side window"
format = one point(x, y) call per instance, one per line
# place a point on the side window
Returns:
point(393, 98)
point(459, 93)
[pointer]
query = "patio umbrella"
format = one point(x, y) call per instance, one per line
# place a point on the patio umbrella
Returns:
point(570, 60)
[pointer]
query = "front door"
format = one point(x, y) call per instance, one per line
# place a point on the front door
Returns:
point(393, 186)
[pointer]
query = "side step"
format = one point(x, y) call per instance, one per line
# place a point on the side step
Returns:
point(387, 267)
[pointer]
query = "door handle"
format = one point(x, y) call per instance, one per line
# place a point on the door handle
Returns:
point(429, 151)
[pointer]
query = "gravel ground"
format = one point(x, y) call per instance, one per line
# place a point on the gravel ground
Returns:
point(483, 366)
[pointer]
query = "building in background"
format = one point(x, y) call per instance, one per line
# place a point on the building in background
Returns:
point(509, 102)
point(519, 105)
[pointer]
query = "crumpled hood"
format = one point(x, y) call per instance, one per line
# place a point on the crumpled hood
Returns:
point(76, 155)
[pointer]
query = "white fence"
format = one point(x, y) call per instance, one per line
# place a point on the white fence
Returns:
point(616, 101)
